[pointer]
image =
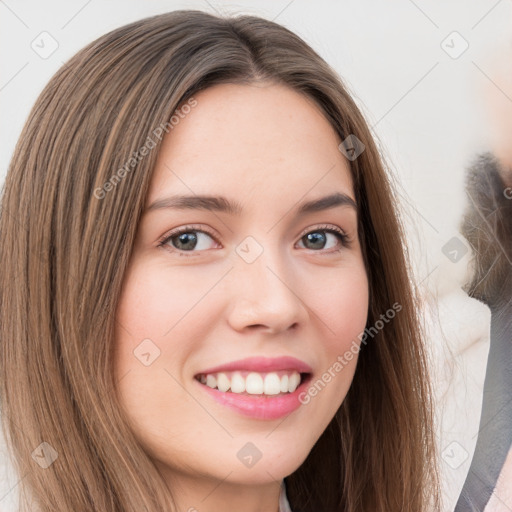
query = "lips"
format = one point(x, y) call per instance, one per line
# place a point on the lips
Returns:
point(259, 387)
point(262, 365)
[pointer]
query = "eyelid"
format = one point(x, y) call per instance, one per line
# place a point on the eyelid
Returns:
point(324, 227)
point(188, 227)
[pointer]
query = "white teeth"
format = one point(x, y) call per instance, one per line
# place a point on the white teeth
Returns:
point(223, 382)
point(284, 383)
point(211, 381)
point(237, 383)
point(272, 384)
point(254, 383)
point(293, 382)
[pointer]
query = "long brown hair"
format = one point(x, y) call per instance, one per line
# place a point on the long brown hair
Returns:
point(64, 252)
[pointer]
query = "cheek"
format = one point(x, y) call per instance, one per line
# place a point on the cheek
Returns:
point(344, 310)
point(159, 307)
point(156, 300)
point(341, 313)
point(148, 364)
point(148, 317)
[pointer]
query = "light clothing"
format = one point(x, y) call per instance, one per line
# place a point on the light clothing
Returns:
point(284, 506)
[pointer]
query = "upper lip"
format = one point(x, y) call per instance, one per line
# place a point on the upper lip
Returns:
point(262, 364)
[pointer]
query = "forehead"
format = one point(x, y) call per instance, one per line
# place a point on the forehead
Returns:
point(262, 140)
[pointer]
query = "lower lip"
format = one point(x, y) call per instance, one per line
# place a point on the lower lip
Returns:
point(262, 407)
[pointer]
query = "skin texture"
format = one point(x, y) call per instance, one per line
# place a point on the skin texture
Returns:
point(270, 149)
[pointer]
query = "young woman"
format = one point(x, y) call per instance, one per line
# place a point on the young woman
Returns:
point(206, 302)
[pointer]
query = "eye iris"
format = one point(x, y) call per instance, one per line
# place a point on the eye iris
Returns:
point(315, 237)
point(183, 238)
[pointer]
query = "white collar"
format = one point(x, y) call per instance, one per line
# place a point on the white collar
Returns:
point(284, 505)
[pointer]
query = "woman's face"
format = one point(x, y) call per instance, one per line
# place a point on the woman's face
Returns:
point(260, 279)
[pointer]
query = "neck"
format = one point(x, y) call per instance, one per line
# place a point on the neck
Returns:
point(193, 493)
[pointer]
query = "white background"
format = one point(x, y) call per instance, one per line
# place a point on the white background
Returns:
point(426, 107)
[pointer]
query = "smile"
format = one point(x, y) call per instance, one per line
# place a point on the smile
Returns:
point(260, 406)
point(253, 383)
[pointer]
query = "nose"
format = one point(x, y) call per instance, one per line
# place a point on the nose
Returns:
point(265, 295)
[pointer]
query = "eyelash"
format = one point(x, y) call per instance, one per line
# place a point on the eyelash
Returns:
point(343, 238)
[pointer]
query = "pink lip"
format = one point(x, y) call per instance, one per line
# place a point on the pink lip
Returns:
point(260, 407)
point(263, 364)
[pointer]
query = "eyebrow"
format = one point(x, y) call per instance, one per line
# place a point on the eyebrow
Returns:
point(222, 204)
